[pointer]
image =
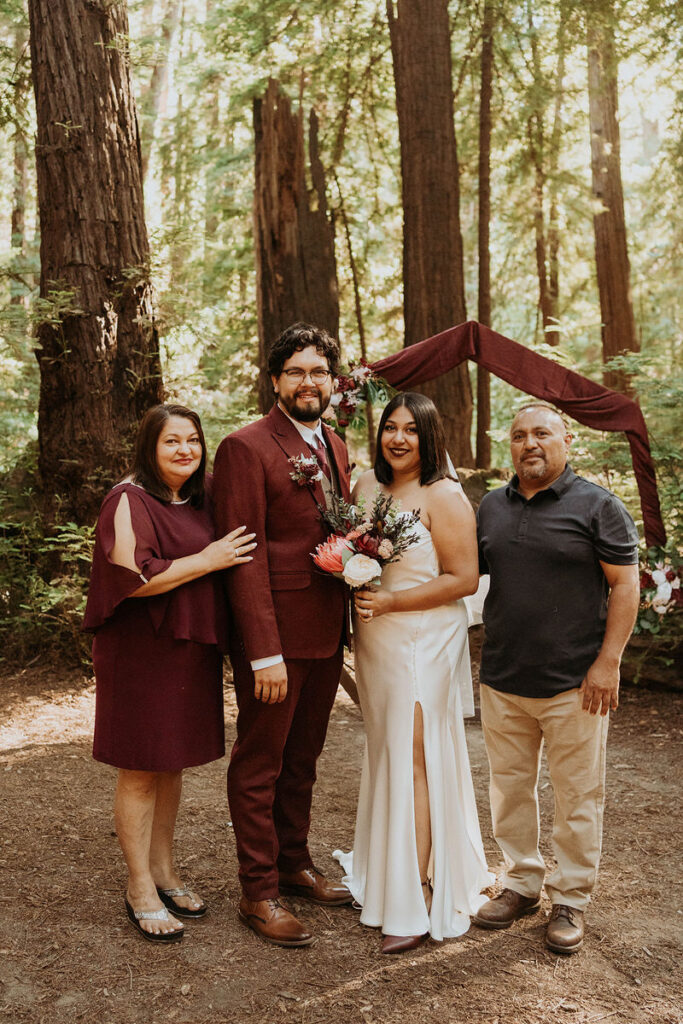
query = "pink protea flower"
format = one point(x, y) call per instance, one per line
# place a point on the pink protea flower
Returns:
point(329, 554)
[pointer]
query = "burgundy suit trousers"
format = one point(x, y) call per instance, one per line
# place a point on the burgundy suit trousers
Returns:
point(273, 768)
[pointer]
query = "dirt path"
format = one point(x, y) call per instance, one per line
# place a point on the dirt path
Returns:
point(67, 953)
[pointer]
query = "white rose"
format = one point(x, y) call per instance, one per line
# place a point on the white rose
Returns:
point(360, 570)
point(660, 604)
point(659, 576)
point(663, 592)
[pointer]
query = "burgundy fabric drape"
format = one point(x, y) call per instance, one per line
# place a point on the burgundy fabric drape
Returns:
point(582, 399)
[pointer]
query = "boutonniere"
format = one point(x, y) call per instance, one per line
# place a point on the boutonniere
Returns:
point(306, 470)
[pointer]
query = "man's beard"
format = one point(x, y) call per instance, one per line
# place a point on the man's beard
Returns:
point(307, 413)
point(533, 472)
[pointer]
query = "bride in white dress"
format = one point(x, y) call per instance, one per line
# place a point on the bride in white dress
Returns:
point(418, 865)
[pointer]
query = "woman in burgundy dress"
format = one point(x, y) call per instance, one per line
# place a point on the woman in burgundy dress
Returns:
point(156, 608)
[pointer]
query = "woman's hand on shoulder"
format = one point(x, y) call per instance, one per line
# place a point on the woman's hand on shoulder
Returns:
point(232, 549)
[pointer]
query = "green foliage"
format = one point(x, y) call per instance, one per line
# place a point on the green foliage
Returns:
point(43, 584)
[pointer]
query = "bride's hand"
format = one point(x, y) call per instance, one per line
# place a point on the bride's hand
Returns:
point(370, 603)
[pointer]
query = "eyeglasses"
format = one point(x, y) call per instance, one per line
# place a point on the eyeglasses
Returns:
point(297, 376)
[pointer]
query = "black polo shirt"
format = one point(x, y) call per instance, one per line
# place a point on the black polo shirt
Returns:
point(546, 609)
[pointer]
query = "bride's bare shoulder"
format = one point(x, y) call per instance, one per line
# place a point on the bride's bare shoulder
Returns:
point(447, 494)
point(366, 484)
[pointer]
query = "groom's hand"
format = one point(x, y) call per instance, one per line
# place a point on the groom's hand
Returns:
point(270, 684)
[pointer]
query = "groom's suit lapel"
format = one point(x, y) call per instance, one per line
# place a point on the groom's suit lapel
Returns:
point(288, 438)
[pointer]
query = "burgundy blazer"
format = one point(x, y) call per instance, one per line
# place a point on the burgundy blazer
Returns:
point(281, 602)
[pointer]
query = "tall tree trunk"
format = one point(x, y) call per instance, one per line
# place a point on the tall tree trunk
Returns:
point(153, 101)
point(21, 85)
point(537, 147)
point(611, 252)
point(552, 336)
point(296, 271)
point(98, 348)
point(360, 323)
point(483, 457)
point(434, 290)
point(544, 154)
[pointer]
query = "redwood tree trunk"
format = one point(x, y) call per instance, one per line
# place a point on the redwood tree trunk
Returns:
point(153, 101)
point(553, 336)
point(296, 271)
point(22, 83)
point(611, 252)
point(434, 291)
point(98, 348)
point(484, 306)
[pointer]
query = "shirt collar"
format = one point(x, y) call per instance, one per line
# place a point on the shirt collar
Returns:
point(309, 435)
point(557, 488)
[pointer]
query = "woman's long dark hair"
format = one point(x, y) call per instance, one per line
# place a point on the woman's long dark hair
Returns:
point(430, 434)
point(145, 468)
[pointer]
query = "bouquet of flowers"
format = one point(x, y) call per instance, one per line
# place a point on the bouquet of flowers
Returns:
point(354, 388)
point(661, 592)
point(364, 540)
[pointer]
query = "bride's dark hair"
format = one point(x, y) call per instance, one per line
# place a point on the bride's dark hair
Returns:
point(430, 435)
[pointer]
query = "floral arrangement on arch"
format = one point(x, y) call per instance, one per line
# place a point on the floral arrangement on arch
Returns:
point(354, 388)
point(364, 540)
point(661, 593)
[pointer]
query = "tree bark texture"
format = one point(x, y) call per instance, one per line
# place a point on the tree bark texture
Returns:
point(611, 252)
point(296, 270)
point(98, 348)
point(434, 290)
point(483, 454)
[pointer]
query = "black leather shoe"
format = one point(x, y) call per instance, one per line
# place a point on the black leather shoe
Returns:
point(565, 929)
point(501, 911)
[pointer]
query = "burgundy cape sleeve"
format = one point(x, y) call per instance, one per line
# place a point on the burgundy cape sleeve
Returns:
point(110, 584)
point(582, 399)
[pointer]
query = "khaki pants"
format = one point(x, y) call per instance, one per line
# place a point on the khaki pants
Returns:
point(514, 730)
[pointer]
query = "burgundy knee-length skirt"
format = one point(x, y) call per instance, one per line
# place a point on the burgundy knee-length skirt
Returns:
point(159, 701)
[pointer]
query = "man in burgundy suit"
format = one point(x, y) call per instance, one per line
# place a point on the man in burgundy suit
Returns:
point(289, 629)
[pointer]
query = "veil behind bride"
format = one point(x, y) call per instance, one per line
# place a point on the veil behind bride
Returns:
point(475, 602)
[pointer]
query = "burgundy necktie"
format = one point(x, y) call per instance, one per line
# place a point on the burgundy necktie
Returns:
point(320, 452)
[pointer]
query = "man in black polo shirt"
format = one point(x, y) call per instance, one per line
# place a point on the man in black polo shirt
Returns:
point(562, 555)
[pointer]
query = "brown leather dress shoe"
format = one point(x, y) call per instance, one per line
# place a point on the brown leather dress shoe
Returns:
point(402, 943)
point(501, 911)
point(565, 929)
point(311, 884)
point(273, 922)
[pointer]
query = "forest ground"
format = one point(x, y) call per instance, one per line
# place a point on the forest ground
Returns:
point(68, 953)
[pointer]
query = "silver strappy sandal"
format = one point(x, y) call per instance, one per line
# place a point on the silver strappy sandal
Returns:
point(136, 916)
point(169, 896)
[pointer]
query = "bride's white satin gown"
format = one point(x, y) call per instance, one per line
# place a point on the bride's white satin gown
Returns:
point(404, 658)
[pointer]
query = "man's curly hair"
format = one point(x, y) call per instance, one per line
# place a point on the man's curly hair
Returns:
point(298, 337)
